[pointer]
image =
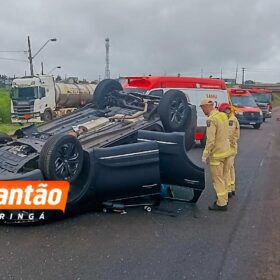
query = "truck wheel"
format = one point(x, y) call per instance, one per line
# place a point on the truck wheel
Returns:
point(257, 126)
point(103, 90)
point(173, 110)
point(61, 158)
point(47, 115)
point(5, 138)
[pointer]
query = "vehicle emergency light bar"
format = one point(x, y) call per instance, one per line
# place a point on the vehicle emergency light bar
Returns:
point(150, 82)
point(239, 91)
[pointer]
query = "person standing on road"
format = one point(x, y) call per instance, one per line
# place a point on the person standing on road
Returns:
point(217, 152)
point(234, 135)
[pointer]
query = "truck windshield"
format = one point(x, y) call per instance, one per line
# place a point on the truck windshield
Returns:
point(24, 93)
point(243, 101)
point(262, 97)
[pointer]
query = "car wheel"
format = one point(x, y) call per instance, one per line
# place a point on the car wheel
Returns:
point(103, 90)
point(61, 158)
point(257, 126)
point(47, 115)
point(190, 128)
point(173, 111)
point(5, 138)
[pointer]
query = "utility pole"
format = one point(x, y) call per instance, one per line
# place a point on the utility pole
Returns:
point(236, 71)
point(107, 62)
point(30, 57)
point(42, 68)
point(221, 73)
point(243, 75)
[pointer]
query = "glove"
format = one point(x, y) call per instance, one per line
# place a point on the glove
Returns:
point(204, 159)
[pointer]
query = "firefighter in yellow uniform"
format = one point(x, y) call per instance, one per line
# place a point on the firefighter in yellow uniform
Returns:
point(217, 152)
point(234, 135)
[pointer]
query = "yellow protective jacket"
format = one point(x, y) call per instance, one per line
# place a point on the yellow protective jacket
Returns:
point(217, 134)
point(234, 132)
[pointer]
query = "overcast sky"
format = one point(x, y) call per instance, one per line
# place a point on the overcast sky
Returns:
point(191, 37)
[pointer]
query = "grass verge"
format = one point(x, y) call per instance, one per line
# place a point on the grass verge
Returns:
point(276, 100)
point(5, 113)
point(5, 106)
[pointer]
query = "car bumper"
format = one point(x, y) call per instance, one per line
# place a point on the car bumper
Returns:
point(28, 118)
point(249, 119)
point(267, 115)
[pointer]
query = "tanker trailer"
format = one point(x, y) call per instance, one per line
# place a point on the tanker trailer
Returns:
point(39, 98)
point(71, 96)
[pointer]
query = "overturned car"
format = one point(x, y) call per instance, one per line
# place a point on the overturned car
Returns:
point(122, 146)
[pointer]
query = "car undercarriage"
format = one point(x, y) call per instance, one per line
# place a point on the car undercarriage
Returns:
point(121, 146)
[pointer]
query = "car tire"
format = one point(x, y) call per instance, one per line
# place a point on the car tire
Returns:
point(47, 115)
point(191, 128)
point(263, 119)
point(61, 158)
point(257, 126)
point(103, 90)
point(5, 138)
point(173, 111)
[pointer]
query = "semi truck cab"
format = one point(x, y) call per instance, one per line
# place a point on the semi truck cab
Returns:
point(32, 99)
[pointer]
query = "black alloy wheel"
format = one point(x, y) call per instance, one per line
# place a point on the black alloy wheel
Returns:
point(61, 158)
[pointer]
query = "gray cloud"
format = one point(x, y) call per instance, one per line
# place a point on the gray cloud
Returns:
point(147, 36)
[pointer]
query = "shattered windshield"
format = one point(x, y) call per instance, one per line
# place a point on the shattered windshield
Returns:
point(24, 93)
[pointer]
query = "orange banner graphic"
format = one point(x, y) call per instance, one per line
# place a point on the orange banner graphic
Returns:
point(34, 195)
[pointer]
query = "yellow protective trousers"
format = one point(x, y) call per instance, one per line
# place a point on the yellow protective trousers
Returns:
point(220, 170)
point(231, 179)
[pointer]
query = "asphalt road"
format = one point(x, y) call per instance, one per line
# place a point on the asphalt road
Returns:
point(187, 242)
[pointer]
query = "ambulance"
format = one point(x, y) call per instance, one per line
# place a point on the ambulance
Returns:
point(195, 89)
point(245, 108)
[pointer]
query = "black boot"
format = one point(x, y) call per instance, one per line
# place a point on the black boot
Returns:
point(216, 207)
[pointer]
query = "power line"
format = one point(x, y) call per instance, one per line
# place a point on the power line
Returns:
point(13, 59)
point(13, 51)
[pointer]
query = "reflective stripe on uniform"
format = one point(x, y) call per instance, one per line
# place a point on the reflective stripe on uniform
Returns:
point(214, 162)
point(221, 193)
point(222, 154)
